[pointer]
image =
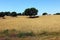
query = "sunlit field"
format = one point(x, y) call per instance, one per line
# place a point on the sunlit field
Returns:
point(23, 23)
point(49, 23)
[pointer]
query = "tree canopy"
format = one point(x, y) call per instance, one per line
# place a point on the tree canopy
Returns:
point(45, 13)
point(30, 11)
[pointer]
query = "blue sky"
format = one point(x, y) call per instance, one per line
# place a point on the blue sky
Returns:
point(49, 6)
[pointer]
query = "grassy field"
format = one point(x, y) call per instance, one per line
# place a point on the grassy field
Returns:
point(49, 23)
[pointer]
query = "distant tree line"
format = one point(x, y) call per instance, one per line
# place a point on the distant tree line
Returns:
point(31, 12)
point(12, 14)
point(57, 14)
point(50, 14)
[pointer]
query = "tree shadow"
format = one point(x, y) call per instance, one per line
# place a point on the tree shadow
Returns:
point(33, 17)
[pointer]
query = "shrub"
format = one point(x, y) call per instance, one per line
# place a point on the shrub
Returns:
point(6, 32)
point(24, 34)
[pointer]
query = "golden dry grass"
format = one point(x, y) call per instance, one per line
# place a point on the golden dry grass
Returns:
point(49, 23)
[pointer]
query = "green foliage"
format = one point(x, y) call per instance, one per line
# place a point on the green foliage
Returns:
point(19, 14)
point(24, 34)
point(7, 13)
point(2, 14)
point(13, 14)
point(6, 32)
point(14, 33)
point(30, 12)
point(44, 13)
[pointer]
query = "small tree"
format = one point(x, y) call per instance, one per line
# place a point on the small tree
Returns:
point(18, 14)
point(14, 14)
point(44, 13)
point(30, 11)
point(33, 11)
point(7, 13)
point(2, 15)
point(26, 12)
point(23, 14)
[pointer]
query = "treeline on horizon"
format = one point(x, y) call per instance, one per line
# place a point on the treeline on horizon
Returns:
point(31, 12)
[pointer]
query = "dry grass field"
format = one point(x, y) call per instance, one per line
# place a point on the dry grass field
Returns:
point(49, 23)
point(23, 23)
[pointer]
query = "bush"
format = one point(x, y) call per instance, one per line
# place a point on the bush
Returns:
point(6, 32)
point(24, 34)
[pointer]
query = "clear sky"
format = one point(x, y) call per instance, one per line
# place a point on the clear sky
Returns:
point(49, 6)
